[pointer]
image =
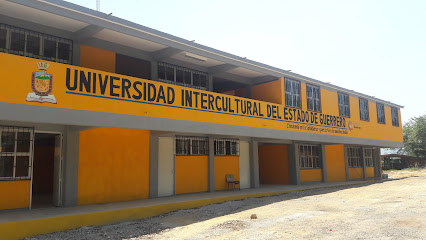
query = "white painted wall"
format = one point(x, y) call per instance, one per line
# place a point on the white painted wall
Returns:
point(244, 165)
point(166, 167)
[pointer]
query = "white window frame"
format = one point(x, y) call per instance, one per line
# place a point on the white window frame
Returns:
point(363, 112)
point(9, 29)
point(381, 113)
point(221, 149)
point(354, 157)
point(395, 116)
point(185, 70)
point(313, 98)
point(15, 154)
point(368, 156)
point(308, 159)
point(191, 146)
point(292, 93)
point(344, 104)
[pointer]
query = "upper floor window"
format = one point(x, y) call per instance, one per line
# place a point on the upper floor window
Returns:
point(310, 156)
point(182, 76)
point(395, 117)
point(187, 146)
point(354, 157)
point(33, 44)
point(292, 93)
point(368, 156)
point(380, 113)
point(313, 98)
point(343, 100)
point(226, 147)
point(363, 109)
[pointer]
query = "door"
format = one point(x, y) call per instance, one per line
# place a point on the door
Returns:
point(166, 167)
point(244, 165)
point(57, 172)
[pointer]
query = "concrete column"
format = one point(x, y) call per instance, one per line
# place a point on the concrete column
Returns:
point(254, 164)
point(346, 162)
point(248, 92)
point(293, 164)
point(364, 169)
point(323, 163)
point(154, 70)
point(76, 53)
point(377, 163)
point(153, 166)
point(210, 83)
point(211, 165)
point(70, 167)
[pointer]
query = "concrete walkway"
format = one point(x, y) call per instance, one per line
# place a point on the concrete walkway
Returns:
point(15, 224)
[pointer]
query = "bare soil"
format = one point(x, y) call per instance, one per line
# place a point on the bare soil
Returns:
point(393, 209)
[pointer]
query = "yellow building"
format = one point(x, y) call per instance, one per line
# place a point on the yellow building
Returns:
point(96, 109)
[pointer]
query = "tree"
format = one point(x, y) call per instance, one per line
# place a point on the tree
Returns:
point(414, 134)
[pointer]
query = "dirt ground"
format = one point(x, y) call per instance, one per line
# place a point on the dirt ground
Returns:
point(393, 209)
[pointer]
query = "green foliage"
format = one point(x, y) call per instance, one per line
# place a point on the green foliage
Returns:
point(414, 133)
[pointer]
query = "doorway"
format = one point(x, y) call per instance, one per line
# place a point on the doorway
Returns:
point(47, 170)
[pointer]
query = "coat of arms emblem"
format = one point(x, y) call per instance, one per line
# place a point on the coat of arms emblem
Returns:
point(41, 84)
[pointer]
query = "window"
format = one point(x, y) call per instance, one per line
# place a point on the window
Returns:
point(182, 76)
point(309, 156)
point(368, 156)
point(313, 98)
point(354, 157)
point(363, 109)
point(292, 93)
point(33, 44)
point(15, 153)
point(380, 113)
point(226, 147)
point(395, 119)
point(187, 146)
point(343, 105)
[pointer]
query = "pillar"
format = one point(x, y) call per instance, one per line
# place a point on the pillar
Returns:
point(254, 164)
point(70, 167)
point(346, 163)
point(323, 163)
point(293, 164)
point(211, 165)
point(153, 166)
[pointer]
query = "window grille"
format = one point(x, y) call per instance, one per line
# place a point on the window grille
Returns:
point(182, 76)
point(368, 156)
point(188, 146)
point(16, 145)
point(354, 157)
point(23, 42)
point(363, 109)
point(292, 93)
point(313, 98)
point(380, 113)
point(395, 119)
point(226, 147)
point(343, 100)
point(310, 156)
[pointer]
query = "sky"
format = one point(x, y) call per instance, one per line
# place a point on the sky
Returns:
point(376, 47)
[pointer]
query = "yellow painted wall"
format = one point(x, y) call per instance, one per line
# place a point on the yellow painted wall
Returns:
point(269, 92)
point(335, 161)
point(303, 101)
point(355, 173)
point(97, 58)
point(310, 175)
point(273, 164)
point(113, 165)
point(369, 172)
point(15, 194)
point(21, 68)
point(225, 165)
point(191, 174)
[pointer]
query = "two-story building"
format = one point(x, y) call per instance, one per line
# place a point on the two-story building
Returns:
point(97, 109)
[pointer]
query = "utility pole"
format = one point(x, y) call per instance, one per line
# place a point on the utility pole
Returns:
point(98, 5)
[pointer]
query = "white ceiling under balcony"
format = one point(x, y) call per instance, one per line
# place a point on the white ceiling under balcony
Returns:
point(41, 17)
point(197, 60)
point(244, 72)
point(127, 40)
